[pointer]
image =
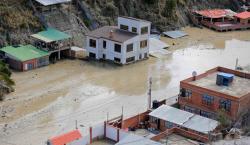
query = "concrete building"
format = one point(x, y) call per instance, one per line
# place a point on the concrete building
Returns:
point(217, 89)
point(25, 57)
point(55, 42)
point(126, 43)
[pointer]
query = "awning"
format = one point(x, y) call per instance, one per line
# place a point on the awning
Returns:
point(185, 119)
point(51, 35)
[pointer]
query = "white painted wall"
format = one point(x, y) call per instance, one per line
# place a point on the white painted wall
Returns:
point(109, 51)
point(111, 133)
point(98, 131)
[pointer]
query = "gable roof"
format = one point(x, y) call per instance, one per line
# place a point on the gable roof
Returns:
point(52, 2)
point(66, 138)
point(215, 13)
point(51, 35)
point(24, 52)
point(243, 15)
point(118, 35)
point(185, 119)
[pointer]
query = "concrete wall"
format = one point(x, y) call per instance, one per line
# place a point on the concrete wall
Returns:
point(135, 120)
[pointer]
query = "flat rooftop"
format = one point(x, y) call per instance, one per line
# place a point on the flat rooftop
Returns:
point(238, 88)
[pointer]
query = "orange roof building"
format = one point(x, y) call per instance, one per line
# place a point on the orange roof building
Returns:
point(216, 13)
point(65, 138)
point(243, 17)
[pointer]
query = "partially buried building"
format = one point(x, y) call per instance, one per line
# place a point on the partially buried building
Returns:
point(219, 89)
point(25, 57)
point(126, 43)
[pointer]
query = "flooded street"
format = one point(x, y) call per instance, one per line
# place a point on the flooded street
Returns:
point(48, 100)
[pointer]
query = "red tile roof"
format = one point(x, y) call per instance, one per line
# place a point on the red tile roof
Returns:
point(243, 15)
point(216, 13)
point(66, 138)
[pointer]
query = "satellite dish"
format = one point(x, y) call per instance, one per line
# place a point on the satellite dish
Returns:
point(194, 73)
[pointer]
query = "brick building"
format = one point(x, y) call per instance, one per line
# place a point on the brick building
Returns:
point(217, 89)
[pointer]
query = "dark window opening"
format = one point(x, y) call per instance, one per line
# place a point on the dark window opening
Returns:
point(104, 44)
point(144, 30)
point(92, 43)
point(134, 29)
point(117, 48)
point(124, 27)
point(130, 47)
point(117, 59)
point(92, 55)
point(185, 93)
point(130, 59)
point(144, 44)
point(104, 56)
point(225, 105)
point(207, 100)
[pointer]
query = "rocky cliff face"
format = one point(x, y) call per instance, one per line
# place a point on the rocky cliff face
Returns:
point(165, 14)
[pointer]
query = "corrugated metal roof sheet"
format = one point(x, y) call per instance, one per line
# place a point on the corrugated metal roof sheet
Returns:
point(215, 13)
point(185, 119)
point(132, 139)
point(52, 2)
point(175, 34)
point(24, 53)
point(66, 138)
point(243, 15)
point(51, 35)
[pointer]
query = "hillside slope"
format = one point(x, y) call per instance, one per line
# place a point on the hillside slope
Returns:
point(165, 14)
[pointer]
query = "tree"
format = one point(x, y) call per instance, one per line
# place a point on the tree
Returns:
point(170, 7)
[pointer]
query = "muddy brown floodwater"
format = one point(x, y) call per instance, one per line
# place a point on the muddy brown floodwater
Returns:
point(48, 100)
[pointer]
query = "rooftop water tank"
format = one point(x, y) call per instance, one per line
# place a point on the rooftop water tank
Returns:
point(224, 79)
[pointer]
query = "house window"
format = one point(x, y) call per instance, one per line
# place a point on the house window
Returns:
point(124, 27)
point(153, 120)
point(169, 124)
point(225, 105)
point(144, 30)
point(130, 59)
point(130, 47)
point(118, 48)
point(134, 29)
point(104, 44)
point(117, 59)
point(207, 100)
point(205, 114)
point(92, 55)
point(185, 93)
point(189, 109)
point(144, 44)
point(104, 56)
point(145, 55)
point(92, 43)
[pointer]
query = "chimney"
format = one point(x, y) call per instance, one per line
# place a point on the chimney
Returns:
point(111, 34)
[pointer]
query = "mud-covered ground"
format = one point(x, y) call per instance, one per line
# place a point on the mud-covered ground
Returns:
point(48, 100)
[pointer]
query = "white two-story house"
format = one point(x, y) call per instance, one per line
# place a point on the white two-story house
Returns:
point(126, 43)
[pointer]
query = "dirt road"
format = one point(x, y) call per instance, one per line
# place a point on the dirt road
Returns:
point(48, 100)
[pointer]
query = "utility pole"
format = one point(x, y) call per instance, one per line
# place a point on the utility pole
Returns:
point(149, 93)
point(236, 64)
point(76, 124)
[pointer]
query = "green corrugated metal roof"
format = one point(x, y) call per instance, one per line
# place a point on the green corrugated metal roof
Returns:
point(51, 35)
point(24, 52)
